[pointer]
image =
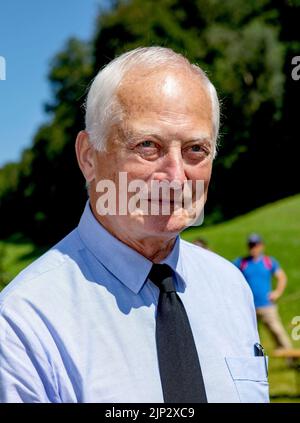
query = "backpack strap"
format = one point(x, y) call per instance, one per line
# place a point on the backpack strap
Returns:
point(267, 262)
point(243, 264)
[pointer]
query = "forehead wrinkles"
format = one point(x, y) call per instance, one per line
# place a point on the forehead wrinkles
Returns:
point(164, 92)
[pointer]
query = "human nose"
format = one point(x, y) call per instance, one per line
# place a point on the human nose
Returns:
point(171, 167)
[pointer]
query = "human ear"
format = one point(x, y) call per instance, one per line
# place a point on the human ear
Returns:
point(84, 154)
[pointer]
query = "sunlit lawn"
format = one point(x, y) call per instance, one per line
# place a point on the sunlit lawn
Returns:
point(278, 223)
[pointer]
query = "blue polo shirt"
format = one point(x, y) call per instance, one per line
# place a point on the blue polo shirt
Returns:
point(259, 277)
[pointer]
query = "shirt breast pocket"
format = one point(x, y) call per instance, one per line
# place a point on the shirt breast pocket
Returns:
point(250, 378)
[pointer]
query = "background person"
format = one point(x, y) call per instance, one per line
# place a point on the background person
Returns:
point(259, 269)
point(201, 242)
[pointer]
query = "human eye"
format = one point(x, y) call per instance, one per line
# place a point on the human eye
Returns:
point(197, 152)
point(196, 148)
point(148, 149)
point(147, 144)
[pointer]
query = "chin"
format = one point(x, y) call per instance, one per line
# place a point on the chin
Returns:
point(165, 224)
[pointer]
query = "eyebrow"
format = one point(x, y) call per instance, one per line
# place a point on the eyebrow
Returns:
point(142, 133)
point(203, 138)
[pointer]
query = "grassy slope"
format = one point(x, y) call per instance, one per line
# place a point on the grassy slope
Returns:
point(15, 255)
point(279, 224)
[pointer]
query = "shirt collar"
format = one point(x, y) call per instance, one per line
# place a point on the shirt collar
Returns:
point(126, 264)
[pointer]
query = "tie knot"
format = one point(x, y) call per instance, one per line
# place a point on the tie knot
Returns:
point(161, 276)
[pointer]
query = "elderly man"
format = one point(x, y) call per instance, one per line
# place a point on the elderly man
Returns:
point(123, 310)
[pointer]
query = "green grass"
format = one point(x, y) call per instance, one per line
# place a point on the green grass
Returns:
point(278, 223)
point(15, 254)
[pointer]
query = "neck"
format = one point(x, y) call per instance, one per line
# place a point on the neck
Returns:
point(154, 248)
point(256, 256)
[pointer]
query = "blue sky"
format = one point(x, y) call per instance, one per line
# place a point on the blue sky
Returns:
point(31, 33)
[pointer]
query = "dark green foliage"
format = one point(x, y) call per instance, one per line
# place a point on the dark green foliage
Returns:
point(45, 190)
point(245, 47)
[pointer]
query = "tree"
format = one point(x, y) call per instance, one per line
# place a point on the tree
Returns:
point(238, 44)
point(47, 199)
point(246, 50)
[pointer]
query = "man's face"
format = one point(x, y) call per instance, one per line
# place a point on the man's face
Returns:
point(166, 135)
point(256, 249)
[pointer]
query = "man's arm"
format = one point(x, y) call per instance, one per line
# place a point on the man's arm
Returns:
point(281, 285)
point(23, 372)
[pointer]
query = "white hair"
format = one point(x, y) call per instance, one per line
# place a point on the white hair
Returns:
point(102, 105)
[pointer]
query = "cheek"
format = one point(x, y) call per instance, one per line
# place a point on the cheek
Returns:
point(141, 171)
point(202, 173)
point(109, 167)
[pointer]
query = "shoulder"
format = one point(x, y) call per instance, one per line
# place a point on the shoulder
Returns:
point(273, 263)
point(219, 271)
point(273, 259)
point(41, 276)
point(238, 261)
point(209, 259)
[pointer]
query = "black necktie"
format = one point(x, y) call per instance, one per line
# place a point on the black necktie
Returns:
point(179, 366)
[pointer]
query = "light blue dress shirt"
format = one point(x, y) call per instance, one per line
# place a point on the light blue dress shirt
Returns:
point(78, 325)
